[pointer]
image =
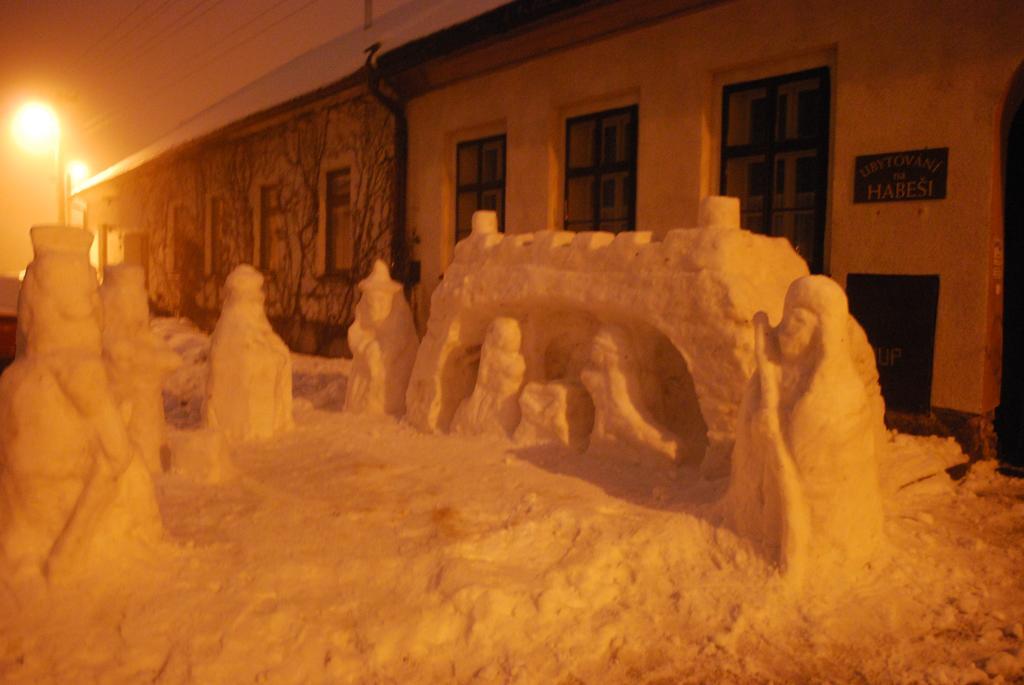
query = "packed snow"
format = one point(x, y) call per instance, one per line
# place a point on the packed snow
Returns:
point(572, 497)
point(357, 549)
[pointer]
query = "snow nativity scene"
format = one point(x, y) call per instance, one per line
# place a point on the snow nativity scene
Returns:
point(515, 342)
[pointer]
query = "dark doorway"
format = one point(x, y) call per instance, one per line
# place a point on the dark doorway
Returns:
point(1010, 414)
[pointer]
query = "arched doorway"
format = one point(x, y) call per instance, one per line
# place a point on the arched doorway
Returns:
point(1010, 413)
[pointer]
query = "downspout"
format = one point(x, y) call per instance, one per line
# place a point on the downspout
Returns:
point(400, 253)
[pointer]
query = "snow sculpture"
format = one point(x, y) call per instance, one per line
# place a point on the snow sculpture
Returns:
point(620, 417)
point(804, 478)
point(557, 412)
point(249, 387)
point(137, 360)
point(494, 405)
point(692, 296)
point(73, 489)
point(383, 341)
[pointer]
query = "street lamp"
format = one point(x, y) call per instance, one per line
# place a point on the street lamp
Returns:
point(36, 128)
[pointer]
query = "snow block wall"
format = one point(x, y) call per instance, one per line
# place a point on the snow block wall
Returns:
point(687, 303)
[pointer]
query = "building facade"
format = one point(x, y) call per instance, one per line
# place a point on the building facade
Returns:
point(305, 192)
point(829, 121)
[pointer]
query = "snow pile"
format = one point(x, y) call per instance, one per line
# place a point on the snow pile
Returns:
point(683, 308)
point(472, 559)
point(383, 342)
point(137, 361)
point(804, 471)
point(249, 388)
point(73, 489)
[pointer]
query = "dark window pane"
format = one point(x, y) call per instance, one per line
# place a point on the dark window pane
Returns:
point(748, 116)
point(746, 178)
point(580, 203)
point(607, 193)
point(799, 228)
point(752, 221)
point(759, 125)
point(809, 114)
point(581, 144)
point(490, 199)
point(493, 167)
point(807, 174)
point(757, 175)
point(614, 203)
point(468, 163)
point(615, 141)
point(466, 205)
point(781, 115)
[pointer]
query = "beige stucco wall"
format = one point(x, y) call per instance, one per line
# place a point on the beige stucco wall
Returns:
point(905, 75)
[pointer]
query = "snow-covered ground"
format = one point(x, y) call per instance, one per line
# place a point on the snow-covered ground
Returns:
point(357, 549)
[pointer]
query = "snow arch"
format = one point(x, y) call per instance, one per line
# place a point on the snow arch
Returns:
point(694, 293)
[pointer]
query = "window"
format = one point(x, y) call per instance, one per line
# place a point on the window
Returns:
point(339, 221)
point(775, 157)
point(271, 228)
point(480, 182)
point(600, 171)
point(216, 229)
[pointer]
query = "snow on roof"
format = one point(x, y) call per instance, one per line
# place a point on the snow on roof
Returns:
point(315, 69)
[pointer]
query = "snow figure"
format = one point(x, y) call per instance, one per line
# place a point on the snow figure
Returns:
point(249, 388)
point(620, 416)
point(804, 473)
point(137, 360)
point(383, 342)
point(73, 489)
point(494, 405)
point(557, 412)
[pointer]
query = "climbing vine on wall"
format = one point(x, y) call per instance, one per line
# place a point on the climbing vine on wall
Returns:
point(201, 211)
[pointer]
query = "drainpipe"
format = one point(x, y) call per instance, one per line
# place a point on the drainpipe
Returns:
point(400, 252)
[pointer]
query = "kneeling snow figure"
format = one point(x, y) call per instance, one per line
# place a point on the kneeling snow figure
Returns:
point(383, 341)
point(804, 473)
point(137, 360)
point(249, 388)
point(73, 489)
point(494, 405)
point(620, 416)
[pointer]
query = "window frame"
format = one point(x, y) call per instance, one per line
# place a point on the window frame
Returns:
point(598, 169)
point(330, 267)
point(772, 146)
point(480, 187)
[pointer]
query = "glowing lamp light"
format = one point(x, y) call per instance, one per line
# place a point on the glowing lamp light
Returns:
point(78, 171)
point(36, 127)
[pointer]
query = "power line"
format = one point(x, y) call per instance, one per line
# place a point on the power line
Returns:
point(161, 82)
point(109, 32)
point(177, 27)
point(119, 41)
